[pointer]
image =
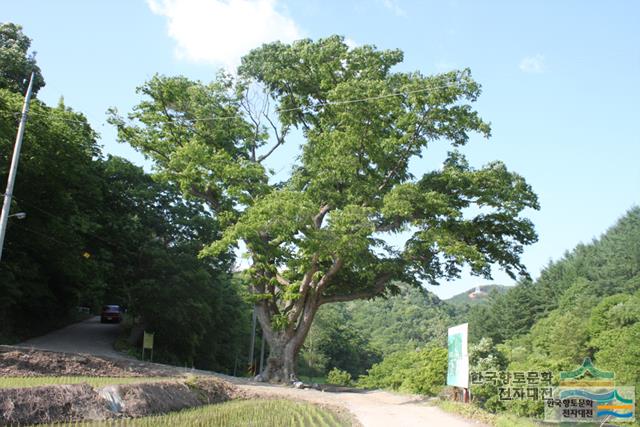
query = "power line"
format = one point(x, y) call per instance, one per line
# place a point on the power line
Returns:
point(202, 119)
point(46, 236)
point(115, 245)
point(279, 110)
point(39, 114)
point(16, 115)
point(85, 233)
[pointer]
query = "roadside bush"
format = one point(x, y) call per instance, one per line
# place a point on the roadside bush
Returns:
point(484, 356)
point(339, 377)
point(421, 371)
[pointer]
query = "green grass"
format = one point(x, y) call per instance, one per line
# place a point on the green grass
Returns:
point(20, 382)
point(258, 413)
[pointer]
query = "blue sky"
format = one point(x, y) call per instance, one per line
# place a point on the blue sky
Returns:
point(561, 80)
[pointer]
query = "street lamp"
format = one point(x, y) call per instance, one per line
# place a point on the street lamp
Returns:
point(19, 215)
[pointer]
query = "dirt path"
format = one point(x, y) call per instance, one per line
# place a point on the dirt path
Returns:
point(371, 408)
point(89, 337)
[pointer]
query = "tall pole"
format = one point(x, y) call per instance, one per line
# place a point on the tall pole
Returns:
point(4, 218)
point(262, 353)
point(253, 340)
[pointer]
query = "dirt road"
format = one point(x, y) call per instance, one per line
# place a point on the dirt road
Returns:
point(371, 408)
point(90, 337)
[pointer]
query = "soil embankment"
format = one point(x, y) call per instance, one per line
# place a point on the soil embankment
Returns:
point(82, 402)
point(20, 362)
point(67, 403)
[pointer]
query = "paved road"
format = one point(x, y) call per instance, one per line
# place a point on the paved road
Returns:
point(90, 336)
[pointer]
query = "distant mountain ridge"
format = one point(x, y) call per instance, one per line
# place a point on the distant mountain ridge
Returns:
point(473, 297)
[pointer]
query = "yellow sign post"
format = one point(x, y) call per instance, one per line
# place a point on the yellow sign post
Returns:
point(147, 343)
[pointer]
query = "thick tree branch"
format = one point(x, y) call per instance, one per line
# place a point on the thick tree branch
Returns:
point(271, 150)
point(308, 276)
point(395, 225)
point(378, 287)
point(262, 312)
point(317, 220)
point(279, 138)
point(208, 196)
point(282, 280)
point(297, 305)
point(335, 268)
point(311, 306)
point(406, 155)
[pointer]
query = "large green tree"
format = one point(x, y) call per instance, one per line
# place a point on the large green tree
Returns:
point(16, 63)
point(319, 236)
point(101, 230)
point(43, 269)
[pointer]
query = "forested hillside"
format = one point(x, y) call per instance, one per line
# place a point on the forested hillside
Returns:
point(352, 336)
point(573, 286)
point(586, 304)
point(99, 230)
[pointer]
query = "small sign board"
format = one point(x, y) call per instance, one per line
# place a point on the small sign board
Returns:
point(458, 369)
point(147, 342)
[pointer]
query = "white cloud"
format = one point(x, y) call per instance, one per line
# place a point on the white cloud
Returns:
point(393, 6)
point(351, 43)
point(443, 66)
point(219, 32)
point(533, 64)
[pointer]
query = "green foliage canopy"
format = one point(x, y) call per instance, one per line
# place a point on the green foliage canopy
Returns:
point(318, 237)
point(16, 64)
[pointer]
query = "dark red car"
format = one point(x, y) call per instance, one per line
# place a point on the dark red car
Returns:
point(111, 313)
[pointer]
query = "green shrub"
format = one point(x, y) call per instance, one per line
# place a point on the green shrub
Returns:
point(338, 377)
point(421, 371)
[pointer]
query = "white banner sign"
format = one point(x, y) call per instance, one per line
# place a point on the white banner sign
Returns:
point(458, 371)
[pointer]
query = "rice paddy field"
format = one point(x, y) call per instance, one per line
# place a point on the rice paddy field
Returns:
point(245, 413)
point(20, 382)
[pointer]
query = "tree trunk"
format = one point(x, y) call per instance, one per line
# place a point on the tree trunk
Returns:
point(281, 363)
point(284, 345)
